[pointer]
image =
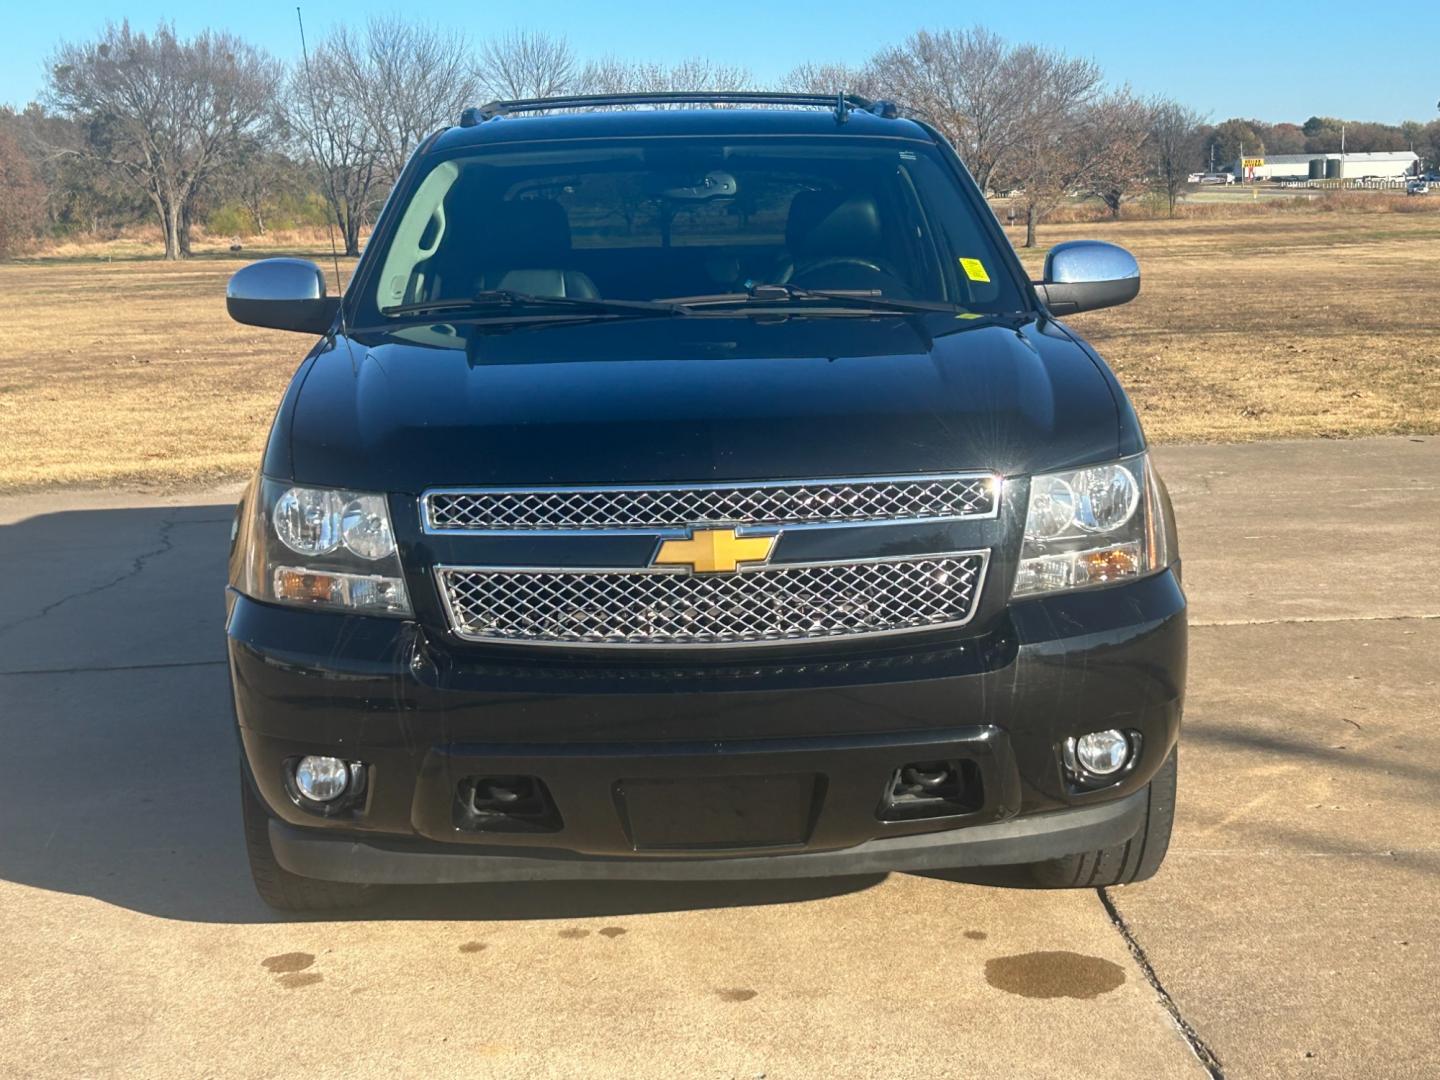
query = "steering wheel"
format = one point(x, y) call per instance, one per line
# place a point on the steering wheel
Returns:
point(854, 261)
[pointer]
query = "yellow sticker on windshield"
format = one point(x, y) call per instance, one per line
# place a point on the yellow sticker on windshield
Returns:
point(974, 270)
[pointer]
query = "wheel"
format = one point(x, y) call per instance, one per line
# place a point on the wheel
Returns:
point(277, 886)
point(1135, 860)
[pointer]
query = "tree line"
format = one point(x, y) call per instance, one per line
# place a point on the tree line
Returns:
point(213, 131)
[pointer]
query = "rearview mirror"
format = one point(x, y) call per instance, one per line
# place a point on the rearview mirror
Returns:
point(1083, 275)
point(282, 294)
point(715, 184)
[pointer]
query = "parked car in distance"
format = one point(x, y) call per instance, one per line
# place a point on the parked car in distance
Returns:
point(1217, 178)
point(693, 494)
point(1417, 187)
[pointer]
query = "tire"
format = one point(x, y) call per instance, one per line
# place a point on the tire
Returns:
point(1135, 860)
point(277, 886)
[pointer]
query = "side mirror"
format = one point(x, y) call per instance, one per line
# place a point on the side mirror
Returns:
point(1083, 275)
point(282, 294)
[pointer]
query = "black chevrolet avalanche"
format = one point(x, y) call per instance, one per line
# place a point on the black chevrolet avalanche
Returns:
point(697, 493)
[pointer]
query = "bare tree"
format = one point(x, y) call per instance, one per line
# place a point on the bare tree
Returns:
point(255, 185)
point(1174, 146)
point(813, 78)
point(406, 79)
point(166, 113)
point(970, 84)
point(528, 64)
point(1117, 129)
point(368, 100)
point(339, 139)
point(613, 76)
point(261, 176)
point(1051, 158)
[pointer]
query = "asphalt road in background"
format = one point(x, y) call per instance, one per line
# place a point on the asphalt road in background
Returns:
point(1293, 932)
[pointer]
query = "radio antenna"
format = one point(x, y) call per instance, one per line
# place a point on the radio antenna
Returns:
point(315, 158)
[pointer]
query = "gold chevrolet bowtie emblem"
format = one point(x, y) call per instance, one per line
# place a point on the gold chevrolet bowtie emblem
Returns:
point(714, 551)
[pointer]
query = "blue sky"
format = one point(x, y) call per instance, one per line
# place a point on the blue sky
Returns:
point(1273, 61)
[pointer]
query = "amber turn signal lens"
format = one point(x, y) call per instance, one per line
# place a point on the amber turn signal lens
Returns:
point(1109, 563)
point(299, 586)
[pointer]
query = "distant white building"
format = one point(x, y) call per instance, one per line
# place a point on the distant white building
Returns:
point(1388, 164)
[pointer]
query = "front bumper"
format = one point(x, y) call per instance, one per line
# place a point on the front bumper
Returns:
point(807, 746)
point(1006, 843)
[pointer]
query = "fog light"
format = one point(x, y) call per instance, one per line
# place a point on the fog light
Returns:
point(1100, 753)
point(322, 779)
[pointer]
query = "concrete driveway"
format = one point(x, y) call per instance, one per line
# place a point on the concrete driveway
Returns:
point(1294, 931)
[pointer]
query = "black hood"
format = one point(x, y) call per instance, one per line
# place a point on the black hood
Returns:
point(693, 399)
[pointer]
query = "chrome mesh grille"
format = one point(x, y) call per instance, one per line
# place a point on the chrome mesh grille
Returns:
point(766, 604)
point(671, 507)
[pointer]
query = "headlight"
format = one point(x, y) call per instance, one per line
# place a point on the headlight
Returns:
point(323, 548)
point(1092, 526)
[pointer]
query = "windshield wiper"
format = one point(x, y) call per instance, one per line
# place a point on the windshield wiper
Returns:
point(780, 295)
point(510, 300)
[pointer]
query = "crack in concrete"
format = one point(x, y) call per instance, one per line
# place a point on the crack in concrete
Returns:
point(137, 567)
point(1297, 620)
point(102, 669)
point(1198, 1046)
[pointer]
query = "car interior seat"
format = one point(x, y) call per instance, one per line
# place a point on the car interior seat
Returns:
point(834, 240)
point(521, 245)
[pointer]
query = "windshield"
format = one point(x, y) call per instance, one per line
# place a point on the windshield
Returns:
point(661, 220)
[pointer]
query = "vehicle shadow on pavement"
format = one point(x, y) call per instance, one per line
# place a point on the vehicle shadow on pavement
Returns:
point(118, 776)
point(572, 900)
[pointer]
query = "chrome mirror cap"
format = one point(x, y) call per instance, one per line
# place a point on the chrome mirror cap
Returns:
point(1083, 275)
point(282, 294)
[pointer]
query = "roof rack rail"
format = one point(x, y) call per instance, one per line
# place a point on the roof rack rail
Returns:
point(842, 104)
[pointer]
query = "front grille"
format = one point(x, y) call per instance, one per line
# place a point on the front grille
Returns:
point(683, 506)
point(769, 604)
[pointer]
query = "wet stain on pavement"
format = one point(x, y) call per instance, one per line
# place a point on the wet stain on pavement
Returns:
point(574, 934)
point(976, 935)
point(288, 962)
point(612, 931)
point(736, 995)
point(473, 947)
point(1054, 975)
point(296, 979)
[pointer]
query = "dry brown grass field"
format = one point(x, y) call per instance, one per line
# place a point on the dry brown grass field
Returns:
point(119, 370)
point(1284, 325)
